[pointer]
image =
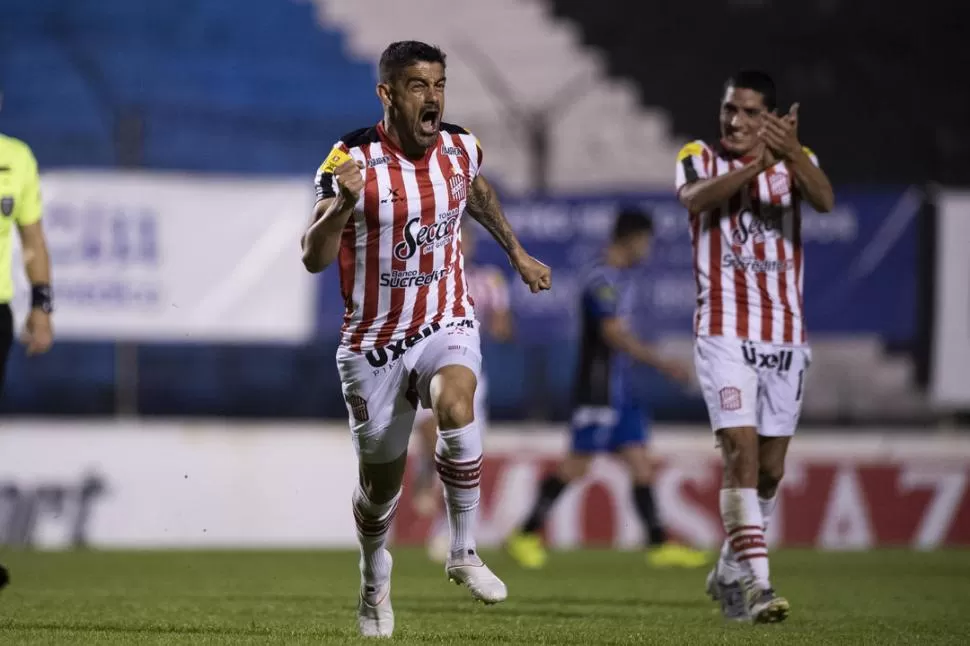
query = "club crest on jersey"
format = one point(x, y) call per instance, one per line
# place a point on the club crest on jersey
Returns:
point(457, 186)
point(6, 205)
point(778, 184)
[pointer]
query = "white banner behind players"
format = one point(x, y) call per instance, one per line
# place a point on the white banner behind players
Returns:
point(164, 257)
point(950, 378)
point(116, 484)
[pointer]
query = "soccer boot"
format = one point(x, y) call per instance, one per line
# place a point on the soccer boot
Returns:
point(764, 606)
point(673, 555)
point(469, 570)
point(526, 550)
point(375, 617)
point(4, 577)
point(730, 595)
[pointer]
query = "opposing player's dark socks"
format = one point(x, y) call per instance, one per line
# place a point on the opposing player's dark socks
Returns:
point(647, 510)
point(549, 491)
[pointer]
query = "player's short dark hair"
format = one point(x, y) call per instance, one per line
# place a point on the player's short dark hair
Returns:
point(756, 80)
point(403, 53)
point(631, 221)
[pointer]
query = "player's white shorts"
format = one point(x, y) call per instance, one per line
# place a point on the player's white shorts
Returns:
point(752, 383)
point(383, 388)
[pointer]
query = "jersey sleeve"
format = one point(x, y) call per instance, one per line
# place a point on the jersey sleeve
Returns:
point(601, 298)
point(325, 183)
point(692, 164)
point(27, 209)
point(811, 155)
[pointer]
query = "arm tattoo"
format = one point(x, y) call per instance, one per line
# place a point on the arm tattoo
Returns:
point(483, 205)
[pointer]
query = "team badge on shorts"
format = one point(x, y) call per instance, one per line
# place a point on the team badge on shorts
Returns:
point(730, 398)
point(358, 407)
point(6, 205)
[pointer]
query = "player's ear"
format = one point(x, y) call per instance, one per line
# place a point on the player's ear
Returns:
point(384, 93)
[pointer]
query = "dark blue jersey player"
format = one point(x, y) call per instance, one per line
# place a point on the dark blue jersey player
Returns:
point(606, 417)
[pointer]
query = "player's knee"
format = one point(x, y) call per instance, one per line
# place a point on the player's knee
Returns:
point(455, 408)
point(769, 477)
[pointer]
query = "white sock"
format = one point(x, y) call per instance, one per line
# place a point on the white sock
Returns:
point(767, 509)
point(373, 525)
point(729, 570)
point(458, 456)
point(744, 525)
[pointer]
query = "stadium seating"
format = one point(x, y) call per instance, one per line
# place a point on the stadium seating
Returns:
point(213, 86)
point(883, 108)
point(510, 60)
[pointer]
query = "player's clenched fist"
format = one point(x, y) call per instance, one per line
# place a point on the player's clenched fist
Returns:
point(535, 274)
point(350, 179)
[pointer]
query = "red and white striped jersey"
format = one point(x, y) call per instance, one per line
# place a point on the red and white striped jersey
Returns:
point(400, 259)
point(748, 261)
point(488, 289)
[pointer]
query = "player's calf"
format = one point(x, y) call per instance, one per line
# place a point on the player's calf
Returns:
point(740, 508)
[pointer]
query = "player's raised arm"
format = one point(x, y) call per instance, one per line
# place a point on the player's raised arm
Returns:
point(339, 183)
point(483, 205)
point(780, 134)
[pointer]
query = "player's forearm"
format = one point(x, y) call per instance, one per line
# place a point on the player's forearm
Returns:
point(812, 182)
point(706, 194)
point(483, 205)
point(321, 243)
point(622, 340)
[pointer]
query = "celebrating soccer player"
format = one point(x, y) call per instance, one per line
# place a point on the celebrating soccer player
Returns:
point(606, 416)
point(390, 200)
point(744, 195)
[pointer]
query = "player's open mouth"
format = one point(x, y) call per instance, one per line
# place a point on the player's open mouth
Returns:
point(429, 121)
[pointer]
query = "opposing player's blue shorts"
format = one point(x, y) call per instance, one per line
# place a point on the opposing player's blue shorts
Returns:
point(599, 429)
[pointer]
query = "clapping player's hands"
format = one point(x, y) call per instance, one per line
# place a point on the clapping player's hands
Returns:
point(780, 134)
point(350, 179)
point(535, 274)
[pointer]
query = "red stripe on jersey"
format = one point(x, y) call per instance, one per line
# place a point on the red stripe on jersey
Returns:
point(707, 162)
point(426, 194)
point(761, 256)
point(740, 281)
point(400, 207)
point(783, 293)
point(695, 235)
point(347, 258)
point(459, 311)
point(717, 298)
point(797, 246)
point(372, 252)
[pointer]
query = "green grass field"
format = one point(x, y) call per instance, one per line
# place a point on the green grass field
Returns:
point(592, 597)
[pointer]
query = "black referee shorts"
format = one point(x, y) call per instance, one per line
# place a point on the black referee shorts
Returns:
point(6, 340)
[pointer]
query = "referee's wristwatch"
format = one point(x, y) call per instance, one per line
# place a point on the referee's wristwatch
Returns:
point(42, 298)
